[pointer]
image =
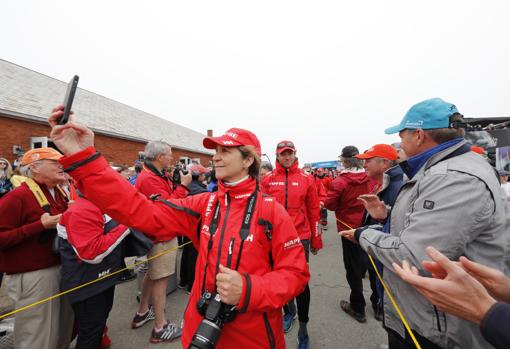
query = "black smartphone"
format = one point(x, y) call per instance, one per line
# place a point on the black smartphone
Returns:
point(68, 100)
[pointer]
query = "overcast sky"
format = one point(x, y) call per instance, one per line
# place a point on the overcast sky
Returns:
point(324, 74)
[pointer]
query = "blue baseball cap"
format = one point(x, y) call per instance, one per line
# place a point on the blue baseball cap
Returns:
point(427, 115)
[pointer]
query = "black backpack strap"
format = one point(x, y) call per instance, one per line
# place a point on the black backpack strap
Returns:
point(265, 219)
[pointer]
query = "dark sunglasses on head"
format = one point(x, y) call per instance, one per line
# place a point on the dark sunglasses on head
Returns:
point(285, 144)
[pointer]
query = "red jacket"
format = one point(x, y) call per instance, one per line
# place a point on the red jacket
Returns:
point(296, 191)
point(321, 190)
point(265, 289)
point(343, 198)
point(326, 181)
point(149, 183)
point(24, 243)
point(86, 251)
point(82, 225)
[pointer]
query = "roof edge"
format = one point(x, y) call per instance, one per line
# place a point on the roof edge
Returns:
point(37, 119)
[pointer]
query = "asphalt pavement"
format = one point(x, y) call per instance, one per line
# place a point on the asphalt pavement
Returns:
point(329, 326)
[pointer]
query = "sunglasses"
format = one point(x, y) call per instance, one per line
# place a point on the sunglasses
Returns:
point(285, 144)
point(3, 163)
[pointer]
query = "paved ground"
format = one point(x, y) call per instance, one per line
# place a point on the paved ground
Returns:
point(329, 326)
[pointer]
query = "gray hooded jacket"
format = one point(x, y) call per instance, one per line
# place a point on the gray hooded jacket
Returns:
point(454, 204)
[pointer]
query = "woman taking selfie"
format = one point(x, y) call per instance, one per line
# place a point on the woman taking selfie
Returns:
point(250, 260)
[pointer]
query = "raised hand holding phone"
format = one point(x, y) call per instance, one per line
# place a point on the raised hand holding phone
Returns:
point(71, 137)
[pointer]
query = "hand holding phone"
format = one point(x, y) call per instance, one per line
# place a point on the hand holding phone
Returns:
point(68, 100)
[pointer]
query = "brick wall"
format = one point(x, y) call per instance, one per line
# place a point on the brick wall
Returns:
point(117, 150)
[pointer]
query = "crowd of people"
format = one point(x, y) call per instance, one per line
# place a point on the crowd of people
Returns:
point(429, 219)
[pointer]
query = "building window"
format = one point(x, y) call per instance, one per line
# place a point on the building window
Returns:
point(38, 142)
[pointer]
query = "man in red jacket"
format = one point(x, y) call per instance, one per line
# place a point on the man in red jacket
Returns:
point(33, 271)
point(343, 199)
point(297, 192)
point(153, 180)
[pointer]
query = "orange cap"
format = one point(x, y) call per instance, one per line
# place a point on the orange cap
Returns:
point(40, 154)
point(478, 150)
point(385, 151)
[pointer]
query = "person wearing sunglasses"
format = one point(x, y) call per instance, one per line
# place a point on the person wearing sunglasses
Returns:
point(249, 258)
point(5, 177)
point(297, 192)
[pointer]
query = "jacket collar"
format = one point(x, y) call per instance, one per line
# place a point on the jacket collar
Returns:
point(391, 174)
point(239, 192)
point(294, 168)
point(414, 164)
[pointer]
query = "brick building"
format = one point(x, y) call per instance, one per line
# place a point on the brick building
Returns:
point(26, 100)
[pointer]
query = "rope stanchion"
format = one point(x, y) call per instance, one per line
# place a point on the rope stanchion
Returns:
point(90, 282)
point(387, 290)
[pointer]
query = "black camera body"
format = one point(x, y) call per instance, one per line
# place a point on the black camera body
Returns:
point(176, 177)
point(216, 314)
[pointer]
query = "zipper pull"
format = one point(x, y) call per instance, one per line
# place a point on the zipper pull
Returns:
point(230, 252)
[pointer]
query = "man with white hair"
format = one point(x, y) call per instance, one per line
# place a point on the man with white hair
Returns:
point(29, 215)
point(153, 180)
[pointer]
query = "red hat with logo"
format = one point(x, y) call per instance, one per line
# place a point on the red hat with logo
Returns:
point(285, 145)
point(385, 151)
point(234, 137)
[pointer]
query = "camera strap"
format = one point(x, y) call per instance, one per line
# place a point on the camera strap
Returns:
point(243, 233)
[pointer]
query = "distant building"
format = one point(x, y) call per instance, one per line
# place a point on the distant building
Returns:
point(26, 100)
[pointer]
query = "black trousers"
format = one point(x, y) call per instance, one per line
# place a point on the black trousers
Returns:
point(397, 342)
point(90, 316)
point(188, 262)
point(354, 266)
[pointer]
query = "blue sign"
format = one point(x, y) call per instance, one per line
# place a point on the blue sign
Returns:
point(326, 164)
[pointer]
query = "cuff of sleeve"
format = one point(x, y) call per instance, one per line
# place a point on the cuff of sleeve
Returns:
point(33, 228)
point(88, 167)
point(493, 316)
point(246, 294)
point(357, 233)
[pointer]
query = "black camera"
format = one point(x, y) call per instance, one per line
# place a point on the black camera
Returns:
point(216, 314)
point(176, 177)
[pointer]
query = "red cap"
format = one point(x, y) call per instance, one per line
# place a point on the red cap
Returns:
point(385, 151)
point(285, 145)
point(234, 137)
point(198, 169)
point(478, 150)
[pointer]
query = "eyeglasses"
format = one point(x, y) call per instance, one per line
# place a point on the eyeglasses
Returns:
point(3, 163)
point(285, 144)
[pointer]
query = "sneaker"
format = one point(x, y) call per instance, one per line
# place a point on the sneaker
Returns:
point(303, 342)
point(288, 321)
point(169, 332)
point(140, 320)
point(346, 306)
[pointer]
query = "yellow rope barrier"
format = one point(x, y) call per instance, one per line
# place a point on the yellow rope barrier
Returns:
point(386, 288)
point(90, 282)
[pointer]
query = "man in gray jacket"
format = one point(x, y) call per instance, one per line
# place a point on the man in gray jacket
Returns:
point(451, 201)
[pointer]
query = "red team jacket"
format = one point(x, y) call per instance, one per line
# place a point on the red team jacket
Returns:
point(266, 287)
point(149, 183)
point(296, 191)
point(343, 195)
